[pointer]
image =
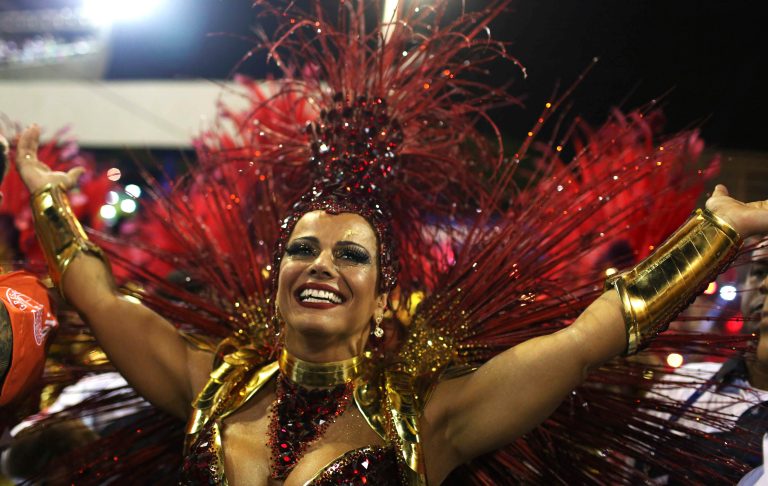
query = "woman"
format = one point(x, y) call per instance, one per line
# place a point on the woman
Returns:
point(292, 421)
point(330, 289)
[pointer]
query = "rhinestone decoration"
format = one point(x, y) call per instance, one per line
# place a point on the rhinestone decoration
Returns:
point(354, 145)
point(354, 154)
point(299, 417)
point(203, 463)
point(369, 465)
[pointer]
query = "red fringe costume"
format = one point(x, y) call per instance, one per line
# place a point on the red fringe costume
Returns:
point(494, 250)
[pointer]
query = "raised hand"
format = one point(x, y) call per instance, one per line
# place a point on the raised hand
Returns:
point(749, 219)
point(3, 157)
point(34, 173)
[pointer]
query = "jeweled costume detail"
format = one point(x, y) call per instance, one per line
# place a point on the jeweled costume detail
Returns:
point(294, 424)
point(309, 398)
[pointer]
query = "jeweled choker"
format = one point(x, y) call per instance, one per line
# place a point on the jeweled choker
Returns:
point(309, 374)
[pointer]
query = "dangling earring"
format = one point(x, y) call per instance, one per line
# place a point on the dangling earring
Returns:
point(275, 321)
point(378, 331)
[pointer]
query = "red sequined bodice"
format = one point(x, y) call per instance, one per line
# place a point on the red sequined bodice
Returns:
point(203, 464)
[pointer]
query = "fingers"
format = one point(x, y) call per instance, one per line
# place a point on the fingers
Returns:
point(720, 190)
point(73, 175)
point(3, 157)
point(28, 143)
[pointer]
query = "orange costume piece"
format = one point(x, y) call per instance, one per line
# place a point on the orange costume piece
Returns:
point(30, 319)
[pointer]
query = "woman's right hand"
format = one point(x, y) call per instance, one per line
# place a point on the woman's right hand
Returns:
point(36, 174)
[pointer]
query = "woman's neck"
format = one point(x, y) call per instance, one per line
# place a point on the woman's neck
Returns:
point(323, 375)
point(322, 348)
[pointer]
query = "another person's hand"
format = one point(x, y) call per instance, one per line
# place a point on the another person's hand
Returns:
point(749, 219)
point(36, 174)
point(3, 162)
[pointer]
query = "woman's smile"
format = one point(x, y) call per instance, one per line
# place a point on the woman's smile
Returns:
point(319, 296)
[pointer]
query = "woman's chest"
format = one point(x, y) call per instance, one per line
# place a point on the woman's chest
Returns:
point(251, 452)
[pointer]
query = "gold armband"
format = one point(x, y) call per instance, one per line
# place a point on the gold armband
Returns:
point(655, 291)
point(59, 232)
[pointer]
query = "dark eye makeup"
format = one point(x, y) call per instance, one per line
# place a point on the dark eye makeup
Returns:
point(345, 251)
point(300, 248)
point(352, 253)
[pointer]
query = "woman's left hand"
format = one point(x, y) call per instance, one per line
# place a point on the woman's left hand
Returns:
point(749, 219)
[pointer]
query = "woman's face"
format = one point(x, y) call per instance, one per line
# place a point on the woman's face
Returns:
point(754, 301)
point(328, 279)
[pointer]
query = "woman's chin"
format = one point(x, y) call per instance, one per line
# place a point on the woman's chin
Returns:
point(315, 328)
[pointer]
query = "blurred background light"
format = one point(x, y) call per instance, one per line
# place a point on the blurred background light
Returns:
point(133, 190)
point(128, 206)
point(107, 12)
point(728, 292)
point(734, 326)
point(108, 212)
point(675, 360)
point(114, 174)
point(711, 288)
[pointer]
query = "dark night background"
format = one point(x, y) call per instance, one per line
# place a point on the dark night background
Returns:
point(704, 58)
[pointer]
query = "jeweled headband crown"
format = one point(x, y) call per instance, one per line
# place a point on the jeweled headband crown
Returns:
point(354, 155)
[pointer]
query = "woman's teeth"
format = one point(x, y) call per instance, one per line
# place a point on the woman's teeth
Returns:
point(315, 295)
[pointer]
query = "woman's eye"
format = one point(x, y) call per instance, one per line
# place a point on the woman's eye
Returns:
point(353, 254)
point(299, 249)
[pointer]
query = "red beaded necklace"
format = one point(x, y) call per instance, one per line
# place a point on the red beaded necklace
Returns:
point(310, 396)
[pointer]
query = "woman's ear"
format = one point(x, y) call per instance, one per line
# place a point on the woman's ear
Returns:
point(381, 301)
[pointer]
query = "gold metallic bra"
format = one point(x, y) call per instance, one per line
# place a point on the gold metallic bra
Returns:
point(388, 401)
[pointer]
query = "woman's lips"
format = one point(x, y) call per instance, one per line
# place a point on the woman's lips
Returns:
point(318, 296)
point(318, 305)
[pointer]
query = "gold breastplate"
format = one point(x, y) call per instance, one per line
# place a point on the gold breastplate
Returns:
point(386, 399)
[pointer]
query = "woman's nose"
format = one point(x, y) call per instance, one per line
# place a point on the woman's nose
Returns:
point(322, 265)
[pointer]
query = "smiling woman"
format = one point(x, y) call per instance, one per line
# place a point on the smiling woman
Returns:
point(328, 291)
point(377, 149)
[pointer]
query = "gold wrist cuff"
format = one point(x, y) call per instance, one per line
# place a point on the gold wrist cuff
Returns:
point(59, 232)
point(655, 291)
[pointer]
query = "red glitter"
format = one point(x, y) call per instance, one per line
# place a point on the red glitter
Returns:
point(299, 417)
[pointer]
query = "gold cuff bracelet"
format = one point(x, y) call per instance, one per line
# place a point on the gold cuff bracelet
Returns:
point(661, 286)
point(60, 234)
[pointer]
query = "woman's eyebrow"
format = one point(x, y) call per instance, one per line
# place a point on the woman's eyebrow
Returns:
point(350, 243)
point(311, 239)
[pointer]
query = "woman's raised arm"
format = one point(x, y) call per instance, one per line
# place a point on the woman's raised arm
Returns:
point(144, 347)
point(520, 387)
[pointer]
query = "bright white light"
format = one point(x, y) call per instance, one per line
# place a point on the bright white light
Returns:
point(128, 206)
point(610, 271)
point(108, 212)
point(675, 360)
point(107, 12)
point(112, 197)
point(133, 190)
point(727, 292)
